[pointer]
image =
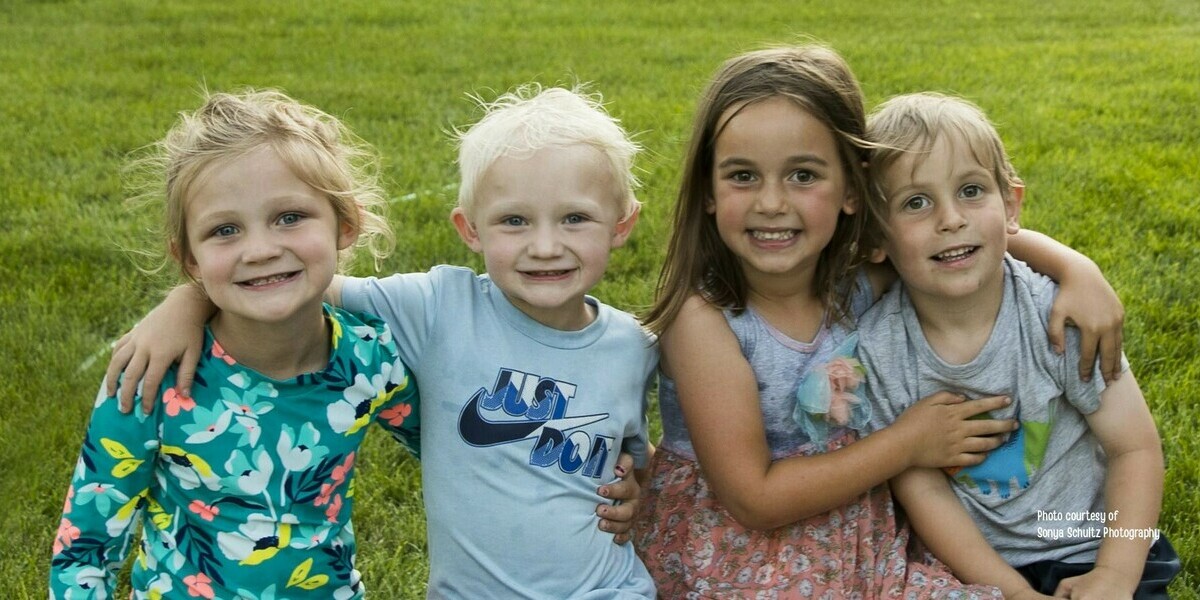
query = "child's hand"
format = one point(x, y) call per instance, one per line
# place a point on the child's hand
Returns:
point(1100, 582)
point(174, 330)
point(1087, 301)
point(943, 434)
point(617, 518)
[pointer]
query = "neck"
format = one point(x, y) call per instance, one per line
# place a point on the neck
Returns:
point(958, 328)
point(789, 304)
point(277, 350)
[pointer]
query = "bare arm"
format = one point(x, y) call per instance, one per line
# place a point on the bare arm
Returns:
point(943, 524)
point(1132, 491)
point(1085, 300)
point(719, 398)
point(173, 330)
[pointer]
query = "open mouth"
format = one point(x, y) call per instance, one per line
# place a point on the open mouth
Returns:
point(774, 236)
point(268, 280)
point(955, 254)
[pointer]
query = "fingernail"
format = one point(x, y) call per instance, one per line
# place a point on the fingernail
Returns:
point(620, 470)
point(1007, 400)
point(604, 491)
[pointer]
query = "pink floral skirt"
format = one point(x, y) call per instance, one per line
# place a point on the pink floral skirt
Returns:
point(695, 549)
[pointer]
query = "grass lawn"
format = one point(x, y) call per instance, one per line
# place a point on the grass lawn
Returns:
point(1097, 102)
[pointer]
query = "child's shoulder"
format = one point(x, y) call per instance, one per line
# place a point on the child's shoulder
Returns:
point(1032, 290)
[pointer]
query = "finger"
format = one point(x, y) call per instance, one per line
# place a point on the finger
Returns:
point(133, 374)
point(1055, 329)
point(187, 370)
point(622, 489)
point(116, 363)
point(622, 538)
point(983, 444)
point(943, 397)
point(624, 467)
point(1110, 356)
point(618, 513)
point(1088, 343)
point(983, 405)
point(982, 428)
point(151, 383)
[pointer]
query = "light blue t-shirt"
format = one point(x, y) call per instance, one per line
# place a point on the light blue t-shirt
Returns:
point(520, 423)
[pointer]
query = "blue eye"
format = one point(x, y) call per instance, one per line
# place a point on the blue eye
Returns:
point(513, 221)
point(224, 231)
point(290, 218)
point(575, 219)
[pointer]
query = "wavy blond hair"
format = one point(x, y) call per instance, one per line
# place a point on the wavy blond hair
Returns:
point(317, 147)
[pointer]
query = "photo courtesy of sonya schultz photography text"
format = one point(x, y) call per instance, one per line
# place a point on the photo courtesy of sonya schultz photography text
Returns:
point(1086, 525)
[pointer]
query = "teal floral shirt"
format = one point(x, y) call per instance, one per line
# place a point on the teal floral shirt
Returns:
point(243, 490)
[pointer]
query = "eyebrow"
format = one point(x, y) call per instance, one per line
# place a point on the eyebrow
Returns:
point(793, 160)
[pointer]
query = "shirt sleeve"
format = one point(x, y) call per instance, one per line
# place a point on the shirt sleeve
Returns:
point(406, 302)
point(108, 491)
point(400, 415)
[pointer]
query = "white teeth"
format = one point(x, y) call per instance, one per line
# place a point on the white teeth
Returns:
point(267, 280)
point(956, 253)
point(773, 236)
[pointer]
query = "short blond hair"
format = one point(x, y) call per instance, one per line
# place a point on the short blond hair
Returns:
point(317, 147)
point(529, 119)
point(913, 123)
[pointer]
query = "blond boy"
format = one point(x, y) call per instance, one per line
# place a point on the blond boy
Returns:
point(968, 318)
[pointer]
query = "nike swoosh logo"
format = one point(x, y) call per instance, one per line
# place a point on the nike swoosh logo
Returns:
point(478, 431)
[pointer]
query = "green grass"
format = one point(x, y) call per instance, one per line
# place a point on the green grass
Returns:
point(1097, 103)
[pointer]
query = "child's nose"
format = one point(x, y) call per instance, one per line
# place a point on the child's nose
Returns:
point(261, 247)
point(951, 216)
point(545, 242)
point(770, 199)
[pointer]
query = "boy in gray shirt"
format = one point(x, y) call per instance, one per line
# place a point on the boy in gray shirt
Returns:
point(1069, 503)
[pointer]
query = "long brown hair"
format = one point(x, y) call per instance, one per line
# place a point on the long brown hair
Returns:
point(818, 80)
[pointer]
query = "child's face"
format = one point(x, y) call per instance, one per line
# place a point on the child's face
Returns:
point(778, 188)
point(948, 223)
point(546, 224)
point(263, 243)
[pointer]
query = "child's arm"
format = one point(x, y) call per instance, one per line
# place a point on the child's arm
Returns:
point(943, 524)
point(718, 394)
point(1085, 300)
point(173, 330)
point(115, 468)
point(1132, 491)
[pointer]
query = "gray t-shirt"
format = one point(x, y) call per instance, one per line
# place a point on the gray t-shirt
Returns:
point(1040, 495)
point(520, 423)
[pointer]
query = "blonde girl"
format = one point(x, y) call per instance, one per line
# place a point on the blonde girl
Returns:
point(244, 489)
point(761, 288)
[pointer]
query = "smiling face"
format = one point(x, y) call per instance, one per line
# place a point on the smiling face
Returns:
point(947, 223)
point(778, 188)
point(545, 224)
point(262, 243)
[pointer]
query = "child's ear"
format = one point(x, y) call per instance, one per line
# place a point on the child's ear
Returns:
point(710, 205)
point(466, 230)
point(877, 256)
point(625, 225)
point(850, 204)
point(1012, 207)
point(347, 234)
